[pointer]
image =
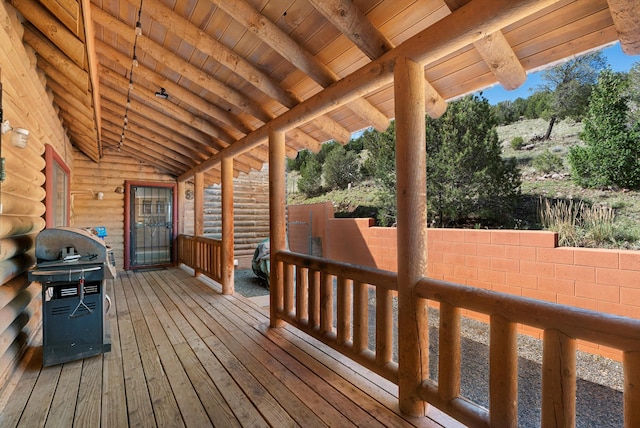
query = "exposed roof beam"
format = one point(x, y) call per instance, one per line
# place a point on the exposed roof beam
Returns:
point(57, 58)
point(353, 23)
point(289, 49)
point(626, 19)
point(497, 53)
point(49, 25)
point(67, 11)
point(456, 31)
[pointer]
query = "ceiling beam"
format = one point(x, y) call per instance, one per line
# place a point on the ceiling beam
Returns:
point(55, 31)
point(625, 14)
point(354, 24)
point(497, 53)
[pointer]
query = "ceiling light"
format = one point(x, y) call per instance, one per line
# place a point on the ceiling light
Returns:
point(162, 94)
point(138, 28)
point(135, 60)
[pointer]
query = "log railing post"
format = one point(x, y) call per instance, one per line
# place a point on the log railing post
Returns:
point(503, 373)
point(360, 316)
point(449, 352)
point(277, 219)
point(226, 262)
point(198, 216)
point(413, 352)
point(558, 380)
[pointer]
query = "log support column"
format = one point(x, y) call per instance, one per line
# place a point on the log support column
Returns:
point(198, 215)
point(412, 233)
point(227, 255)
point(277, 226)
point(181, 206)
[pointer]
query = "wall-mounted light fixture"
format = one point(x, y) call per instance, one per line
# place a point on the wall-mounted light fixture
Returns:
point(19, 136)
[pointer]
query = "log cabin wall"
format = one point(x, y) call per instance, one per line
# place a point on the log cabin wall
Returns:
point(251, 213)
point(25, 104)
point(107, 177)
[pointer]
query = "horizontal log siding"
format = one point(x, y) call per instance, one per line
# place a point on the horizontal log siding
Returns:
point(250, 213)
point(25, 104)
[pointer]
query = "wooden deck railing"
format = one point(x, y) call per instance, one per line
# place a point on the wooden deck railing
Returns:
point(562, 326)
point(201, 254)
point(308, 303)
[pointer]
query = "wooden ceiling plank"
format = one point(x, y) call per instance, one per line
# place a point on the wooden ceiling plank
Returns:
point(162, 107)
point(230, 123)
point(111, 143)
point(626, 19)
point(210, 46)
point(297, 55)
point(463, 27)
point(49, 25)
point(57, 58)
point(181, 66)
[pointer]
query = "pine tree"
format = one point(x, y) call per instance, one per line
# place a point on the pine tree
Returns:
point(611, 154)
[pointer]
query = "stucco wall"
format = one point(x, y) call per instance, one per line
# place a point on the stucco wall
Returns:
point(523, 263)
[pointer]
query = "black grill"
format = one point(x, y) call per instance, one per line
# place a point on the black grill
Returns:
point(73, 265)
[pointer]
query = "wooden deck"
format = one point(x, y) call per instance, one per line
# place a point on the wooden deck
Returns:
point(185, 355)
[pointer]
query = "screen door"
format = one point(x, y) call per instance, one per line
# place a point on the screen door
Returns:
point(151, 226)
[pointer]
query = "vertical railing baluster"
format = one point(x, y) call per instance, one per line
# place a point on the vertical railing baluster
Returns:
point(449, 352)
point(302, 296)
point(558, 379)
point(326, 302)
point(288, 288)
point(631, 396)
point(503, 373)
point(360, 316)
point(314, 298)
point(344, 310)
point(384, 326)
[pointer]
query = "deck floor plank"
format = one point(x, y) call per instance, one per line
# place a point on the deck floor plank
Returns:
point(139, 409)
point(90, 393)
point(114, 399)
point(64, 401)
point(182, 354)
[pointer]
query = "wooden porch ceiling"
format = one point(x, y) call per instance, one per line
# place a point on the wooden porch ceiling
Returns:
point(232, 67)
point(186, 355)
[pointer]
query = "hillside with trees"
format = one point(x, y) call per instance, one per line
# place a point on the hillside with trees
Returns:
point(567, 158)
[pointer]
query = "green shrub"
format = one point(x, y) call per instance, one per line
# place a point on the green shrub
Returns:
point(548, 162)
point(341, 168)
point(310, 182)
point(517, 143)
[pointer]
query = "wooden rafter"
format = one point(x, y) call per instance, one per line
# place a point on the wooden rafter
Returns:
point(625, 14)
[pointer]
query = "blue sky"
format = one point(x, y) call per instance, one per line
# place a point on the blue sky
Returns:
point(617, 60)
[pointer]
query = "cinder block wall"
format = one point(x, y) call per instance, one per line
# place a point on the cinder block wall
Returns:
point(523, 263)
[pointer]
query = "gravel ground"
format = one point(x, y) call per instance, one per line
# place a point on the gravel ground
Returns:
point(599, 386)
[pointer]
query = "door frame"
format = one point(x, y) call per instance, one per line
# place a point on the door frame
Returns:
point(127, 219)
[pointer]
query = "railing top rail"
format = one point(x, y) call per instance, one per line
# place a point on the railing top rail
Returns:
point(366, 275)
point(606, 329)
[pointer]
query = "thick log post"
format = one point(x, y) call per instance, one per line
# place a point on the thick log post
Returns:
point(227, 226)
point(412, 233)
point(277, 219)
point(198, 214)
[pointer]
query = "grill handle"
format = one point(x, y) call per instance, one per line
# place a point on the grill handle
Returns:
point(70, 271)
